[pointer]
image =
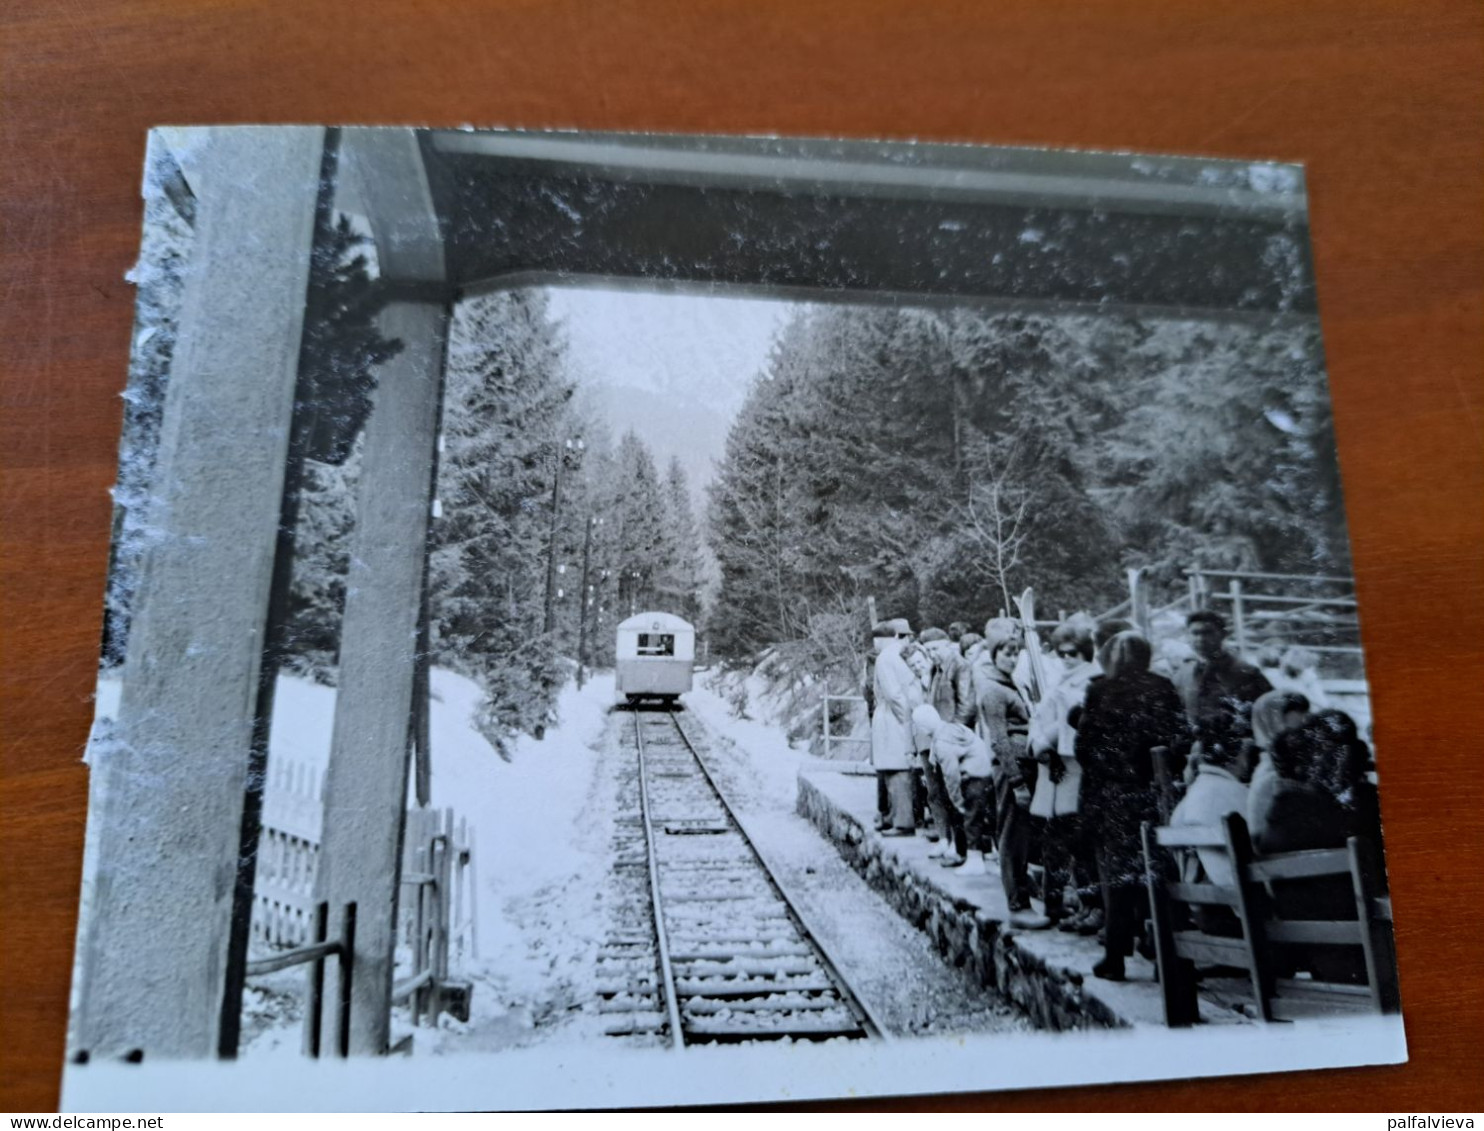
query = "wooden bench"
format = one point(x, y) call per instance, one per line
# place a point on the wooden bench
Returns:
point(1266, 934)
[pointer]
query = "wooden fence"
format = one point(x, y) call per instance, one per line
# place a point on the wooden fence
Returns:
point(437, 926)
point(288, 854)
point(1316, 612)
point(437, 911)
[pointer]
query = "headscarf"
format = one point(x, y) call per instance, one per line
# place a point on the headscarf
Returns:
point(1268, 712)
point(1128, 655)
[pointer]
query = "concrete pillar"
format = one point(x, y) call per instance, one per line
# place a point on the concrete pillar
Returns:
point(168, 788)
point(366, 784)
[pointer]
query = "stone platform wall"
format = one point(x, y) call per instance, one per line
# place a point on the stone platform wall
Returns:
point(1053, 996)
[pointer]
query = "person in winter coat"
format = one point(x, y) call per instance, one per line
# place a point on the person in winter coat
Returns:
point(1052, 736)
point(963, 760)
point(1003, 722)
point(1127, 714)
point(881, 632)
point(1297, 670)
point(914, 654)
point(951, 689)
point(1220, 787)
point(1005, 628)
point(1319, 797)
point(950, 694)
point(1218, 690)
point(1341, 763)
point(1272, 714)
point(897, 691)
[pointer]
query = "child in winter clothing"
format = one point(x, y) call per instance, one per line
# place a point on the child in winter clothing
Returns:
point(963, 760)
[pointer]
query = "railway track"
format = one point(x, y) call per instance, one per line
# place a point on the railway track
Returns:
point(706, 945)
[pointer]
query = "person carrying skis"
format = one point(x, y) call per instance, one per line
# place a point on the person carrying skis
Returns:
point(1053, 738)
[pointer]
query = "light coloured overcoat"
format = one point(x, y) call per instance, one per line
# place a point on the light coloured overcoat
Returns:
point(898, 691)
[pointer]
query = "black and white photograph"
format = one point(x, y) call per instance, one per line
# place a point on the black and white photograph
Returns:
point(616, 620)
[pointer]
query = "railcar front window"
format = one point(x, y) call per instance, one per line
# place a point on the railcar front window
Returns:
point(656, 644)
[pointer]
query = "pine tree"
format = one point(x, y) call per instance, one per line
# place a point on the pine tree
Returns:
point(505, 424)
point(640, 518)
point(679, 582)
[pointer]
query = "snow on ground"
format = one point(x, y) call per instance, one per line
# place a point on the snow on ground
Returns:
point(772, 761)
point(542, 825)
point(541, 840)
point(522, 809)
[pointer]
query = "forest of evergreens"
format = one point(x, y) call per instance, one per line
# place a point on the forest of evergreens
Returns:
point(941, 460)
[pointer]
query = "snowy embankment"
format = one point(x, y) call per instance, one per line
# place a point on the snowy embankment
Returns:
point(541, 841)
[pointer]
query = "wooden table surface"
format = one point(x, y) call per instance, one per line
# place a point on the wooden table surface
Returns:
point(1383, 101)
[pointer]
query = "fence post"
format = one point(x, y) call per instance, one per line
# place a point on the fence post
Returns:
point(444, 906)
point(1235, 589)
point(825, 716)
point(1138, 603)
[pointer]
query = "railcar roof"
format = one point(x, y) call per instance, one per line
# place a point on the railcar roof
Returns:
point(655, 622)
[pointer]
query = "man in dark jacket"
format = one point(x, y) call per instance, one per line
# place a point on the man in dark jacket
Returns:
point(1218, 690)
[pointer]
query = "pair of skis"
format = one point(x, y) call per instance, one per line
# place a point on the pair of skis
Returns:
point(1026, 604)
point(1138, 613)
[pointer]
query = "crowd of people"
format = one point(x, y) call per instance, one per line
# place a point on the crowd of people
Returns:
point(999, 751)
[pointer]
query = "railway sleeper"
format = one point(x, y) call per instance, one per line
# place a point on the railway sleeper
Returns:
point(747, 947)
point(738, 967)
point(721, 1032)
point(612, 982)
point(748, 930)
point(758, 1007)
point(732, 955)
point(742, 988)
point(647, 1005)
point(640, 1027)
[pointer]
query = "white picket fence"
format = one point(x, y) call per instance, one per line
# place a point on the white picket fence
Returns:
point(288, 856)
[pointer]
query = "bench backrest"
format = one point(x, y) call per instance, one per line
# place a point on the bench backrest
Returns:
point(1266, 926)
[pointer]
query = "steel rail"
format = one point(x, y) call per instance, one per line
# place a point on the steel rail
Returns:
point(869, 1022)
point(667, 975)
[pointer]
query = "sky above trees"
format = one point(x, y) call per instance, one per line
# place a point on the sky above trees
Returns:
point(673, 366)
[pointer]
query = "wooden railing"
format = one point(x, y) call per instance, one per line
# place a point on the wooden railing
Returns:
point(437, 919)
point(827, 735)
point(437, 909)
point(288, 854)
point(1315, 611)
point(313, 955)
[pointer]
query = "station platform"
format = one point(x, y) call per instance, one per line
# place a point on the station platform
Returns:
point(1047, 974)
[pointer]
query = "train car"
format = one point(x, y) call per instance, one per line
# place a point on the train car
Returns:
point(656, 654)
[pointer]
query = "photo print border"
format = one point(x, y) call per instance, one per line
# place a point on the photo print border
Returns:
point(177, 778)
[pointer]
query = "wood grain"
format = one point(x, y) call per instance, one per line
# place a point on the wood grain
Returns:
point(1383, 101)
